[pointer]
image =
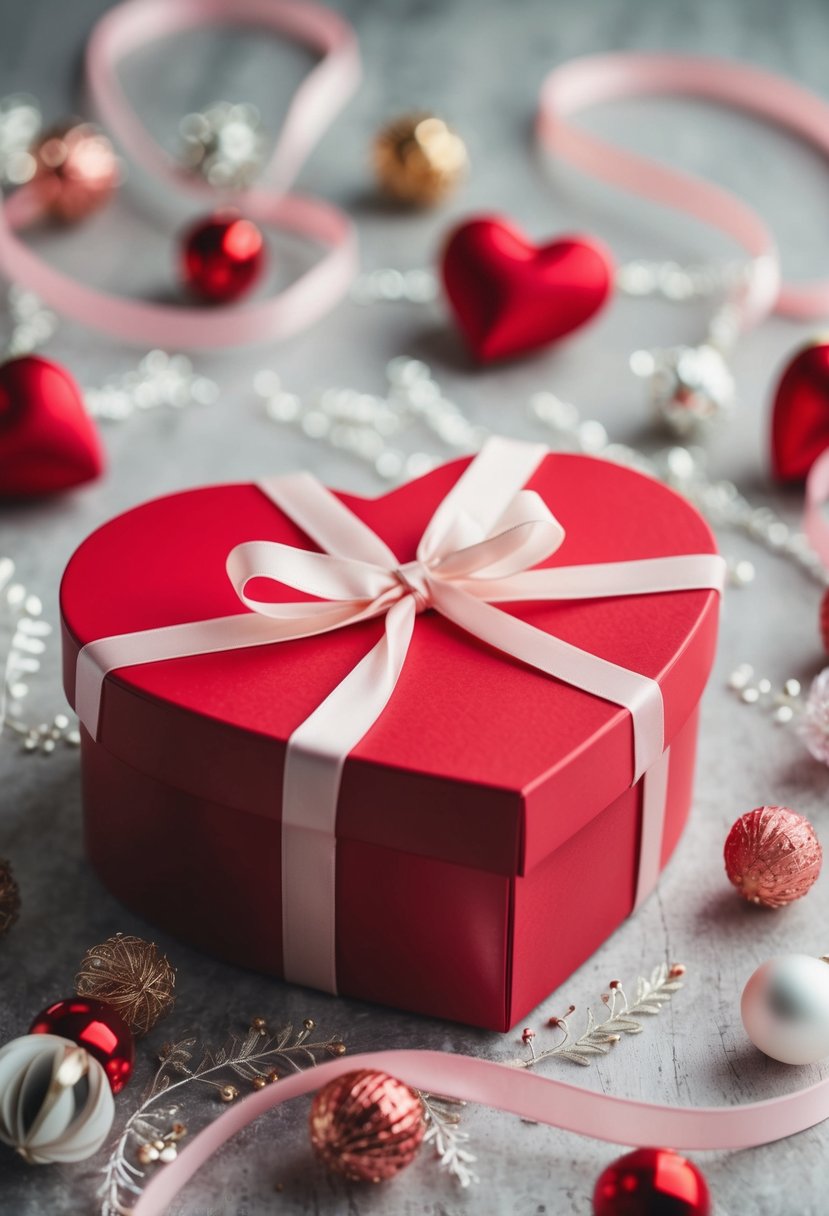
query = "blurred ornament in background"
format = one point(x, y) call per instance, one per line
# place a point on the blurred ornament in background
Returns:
point(690, 387)
point(651, 1182)
point(55, 1100)
point(785, 1008)
point(800, 414)
point(132, 976)
point(20, 122)
point(224, 144)
point(75, 171)
point(48, 442)
point(366, 1125)
point(98, 1029)
point(222, 257)
point(419, 159)
point(772, 856)
point(9, 897)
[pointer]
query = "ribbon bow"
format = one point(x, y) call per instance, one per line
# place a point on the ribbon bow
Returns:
point(478, 550)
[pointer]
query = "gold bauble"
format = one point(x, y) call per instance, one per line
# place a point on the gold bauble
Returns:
point(419, 159)
point(9, 897)
point(131, 975)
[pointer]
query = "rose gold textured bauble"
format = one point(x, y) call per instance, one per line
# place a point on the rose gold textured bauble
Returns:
point(419, 159)
point(132, 976)
point(9, 897)
point(366, 1125)
point(772, 856)
point(76, 171)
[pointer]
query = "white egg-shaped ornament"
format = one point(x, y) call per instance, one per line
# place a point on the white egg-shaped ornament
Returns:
point(785, 1009)
point(55, 1100)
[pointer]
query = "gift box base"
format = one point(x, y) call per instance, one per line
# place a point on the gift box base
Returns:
point(414, 932)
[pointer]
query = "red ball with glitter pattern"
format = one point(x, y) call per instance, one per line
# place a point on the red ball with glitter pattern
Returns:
point(96, 1027)
point(772, 856)
point(366, 1125)
point(651, 1182)
point(222, 257)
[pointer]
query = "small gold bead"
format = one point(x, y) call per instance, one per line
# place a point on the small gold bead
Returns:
point(337, 1049)
point(259, 1024)
point(147, 1154)
point(259, 1082)
point(309, 1023)
point(273, 1075)
point(228, 1093)
point(179, 1130)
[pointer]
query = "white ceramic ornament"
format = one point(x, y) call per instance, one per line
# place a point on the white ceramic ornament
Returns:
point(55, 1100)
point(785, 1009)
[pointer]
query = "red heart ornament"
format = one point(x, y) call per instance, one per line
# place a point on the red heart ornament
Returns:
point(800, 417)
point(48, 442)
point(510, 296)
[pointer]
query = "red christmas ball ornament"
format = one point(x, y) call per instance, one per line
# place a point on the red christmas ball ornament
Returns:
point(366, 1125)
point(222, 257)
point(95, 1027)
point(510, 297)
point(48, 442)
point(651, 1182)
point(800, 415)
point(772, 856)
point(76, 171)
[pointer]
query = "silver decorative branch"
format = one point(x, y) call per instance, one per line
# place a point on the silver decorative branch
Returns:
point(251, 1058)
point(621, 1018)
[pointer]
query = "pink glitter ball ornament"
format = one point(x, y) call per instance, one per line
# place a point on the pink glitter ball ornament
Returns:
point(772, 856)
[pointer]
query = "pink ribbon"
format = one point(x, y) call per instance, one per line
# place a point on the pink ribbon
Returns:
point(815, 524)
point(478, 550)
point(321, 95)
point(599, 78)
point(541, 1099)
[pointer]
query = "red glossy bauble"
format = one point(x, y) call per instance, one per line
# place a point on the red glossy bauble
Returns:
point(510, 296)
point(96, 1027)
point(222, 257)
point(48, 442)
point(651, 1182)
point(800, 418)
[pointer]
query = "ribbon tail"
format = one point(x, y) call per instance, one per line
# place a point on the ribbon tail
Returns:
point(314, 759)
point(540, 1099)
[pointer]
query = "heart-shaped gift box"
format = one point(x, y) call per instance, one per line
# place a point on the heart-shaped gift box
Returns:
point(488, 825)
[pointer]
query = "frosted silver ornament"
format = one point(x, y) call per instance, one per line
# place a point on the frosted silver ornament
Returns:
point(689, 386)
point(785, 1009)
point(55, 1100)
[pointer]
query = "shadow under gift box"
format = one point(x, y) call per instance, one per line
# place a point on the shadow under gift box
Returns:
point(487, 830)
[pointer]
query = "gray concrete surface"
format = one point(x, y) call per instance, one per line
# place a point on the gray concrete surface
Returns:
point(481, 65)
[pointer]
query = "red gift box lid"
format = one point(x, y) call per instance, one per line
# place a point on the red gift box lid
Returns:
point(478, 759)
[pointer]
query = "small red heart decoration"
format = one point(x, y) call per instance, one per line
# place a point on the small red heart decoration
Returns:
point(800, 417)
point(48, 442)
point(510, 296)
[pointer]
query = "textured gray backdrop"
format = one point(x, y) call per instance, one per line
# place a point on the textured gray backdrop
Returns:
point(480, 64)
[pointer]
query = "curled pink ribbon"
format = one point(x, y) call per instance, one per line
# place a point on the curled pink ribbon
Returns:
point(323, 92)
point(541, 1099)
point(593, 79)
point(815, 524)
point(478, 551)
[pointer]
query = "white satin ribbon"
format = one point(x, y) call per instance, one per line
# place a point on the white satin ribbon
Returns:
point(478, 550)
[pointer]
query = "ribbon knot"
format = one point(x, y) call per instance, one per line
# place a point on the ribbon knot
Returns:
point(414, 577)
